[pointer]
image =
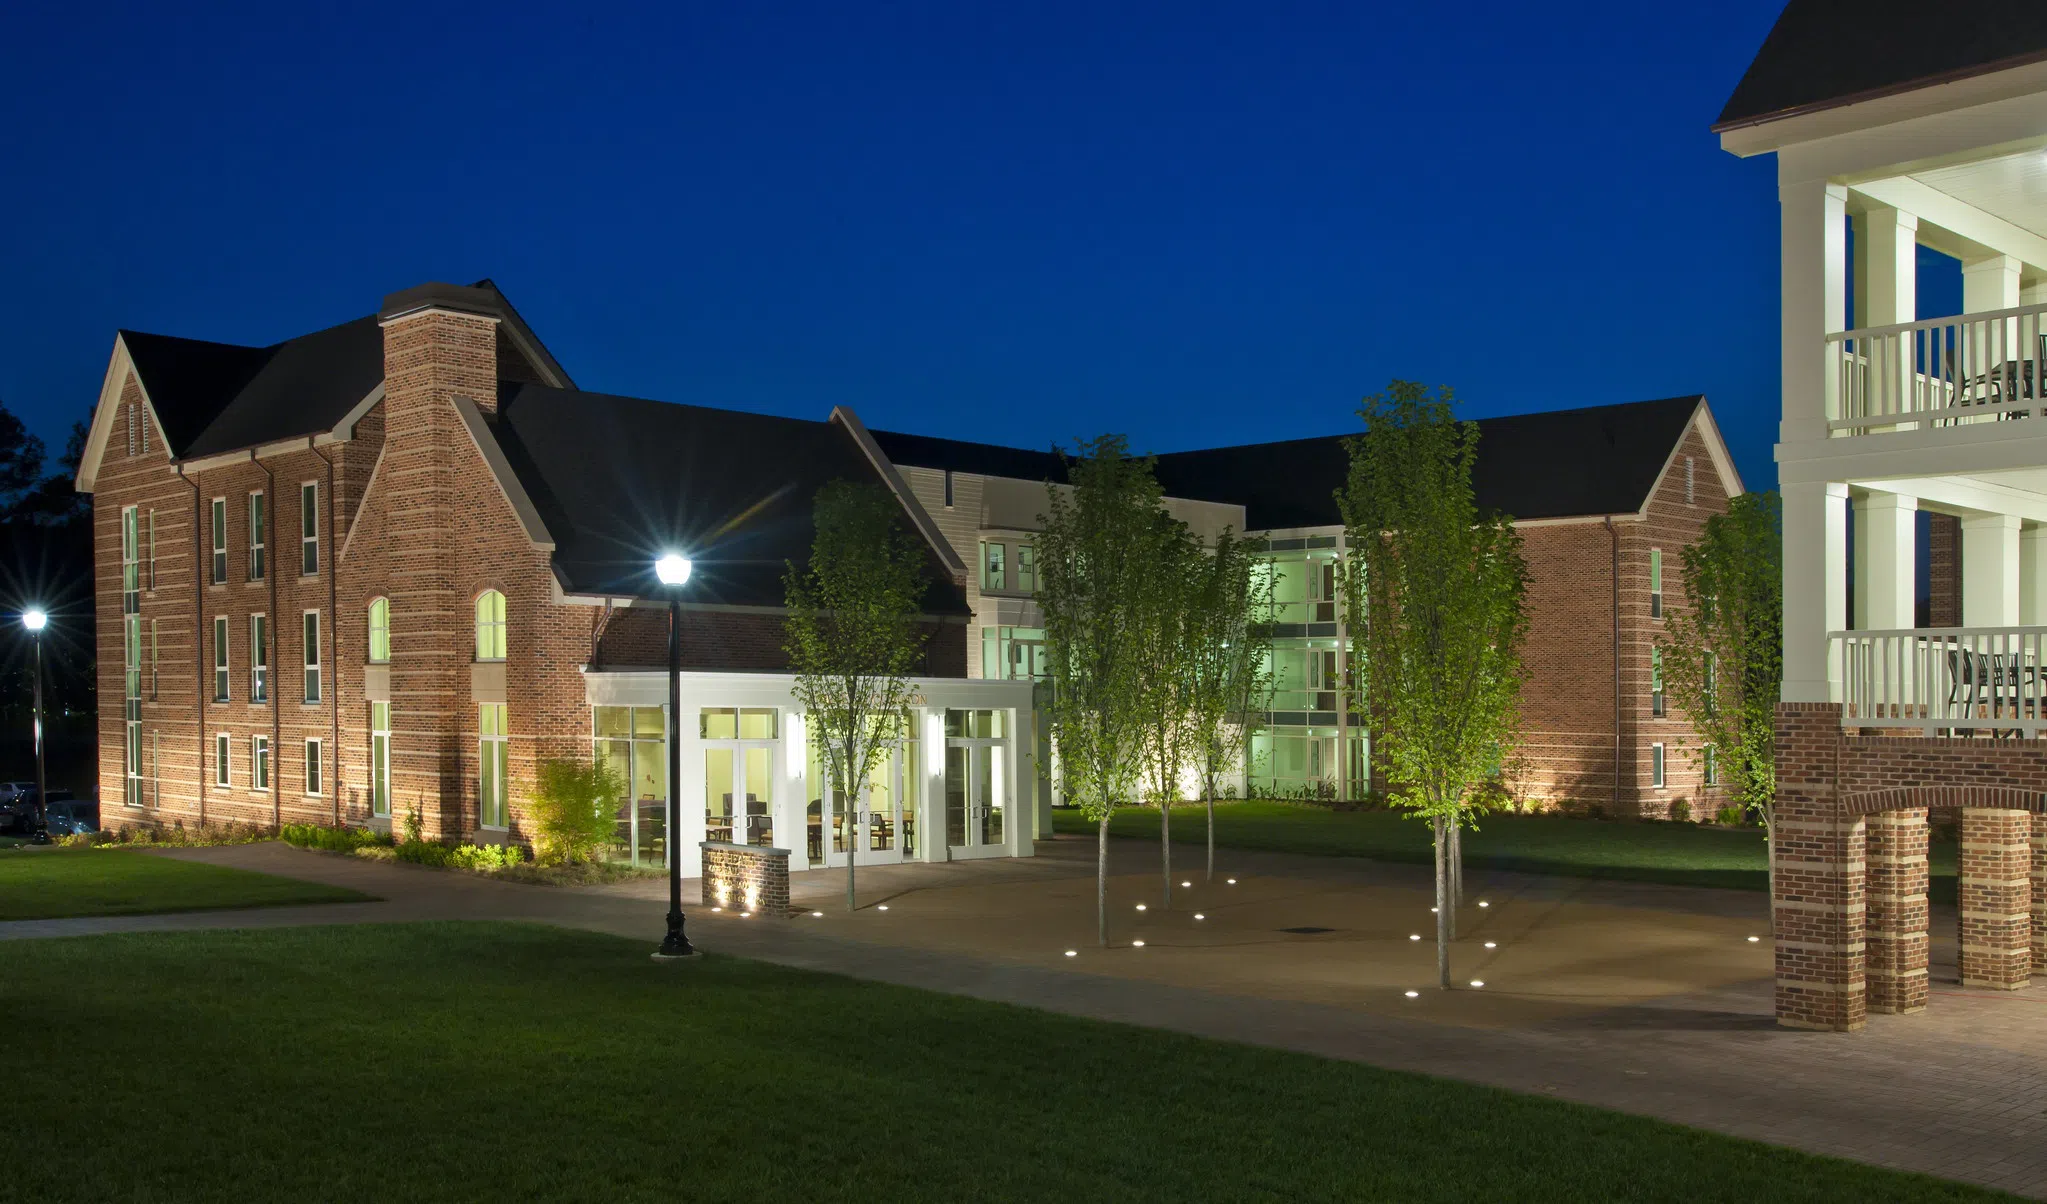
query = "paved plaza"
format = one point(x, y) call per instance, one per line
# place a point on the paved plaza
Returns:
point(1644, 998)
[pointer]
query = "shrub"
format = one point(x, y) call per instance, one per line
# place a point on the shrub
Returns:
point(1681, 811)
point(331, 839)
point(483, 858)
point(574, 809)
point(1731, 816)
point(177, 835)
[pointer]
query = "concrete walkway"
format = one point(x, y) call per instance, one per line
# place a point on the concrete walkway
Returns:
point(1959, 1091)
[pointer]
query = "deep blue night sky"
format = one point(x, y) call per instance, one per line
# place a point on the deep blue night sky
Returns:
point(1195, 223)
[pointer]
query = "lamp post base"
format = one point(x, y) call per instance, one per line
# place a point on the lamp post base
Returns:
point(674, 945)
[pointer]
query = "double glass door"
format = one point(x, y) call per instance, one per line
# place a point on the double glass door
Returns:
point(739, 775)
point(976, 780)
point(880, 826)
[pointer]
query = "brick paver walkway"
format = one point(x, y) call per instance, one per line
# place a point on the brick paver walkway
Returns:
point(1959, 1091)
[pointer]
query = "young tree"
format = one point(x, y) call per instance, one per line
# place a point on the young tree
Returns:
point(1228, 657)
point(852, 636)
point(1166, 601)
point(1091, 588)
point(1436, 589)
point(1724, 658)
point(574, 808)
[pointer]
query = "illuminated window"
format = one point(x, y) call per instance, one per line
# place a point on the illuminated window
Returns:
point(380, 631)
point(257, 548)
point(492, 811)
point(490, 626)
point(309, 528)
point(1655, 583)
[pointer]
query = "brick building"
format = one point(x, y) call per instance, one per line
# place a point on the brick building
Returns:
point(388, 567)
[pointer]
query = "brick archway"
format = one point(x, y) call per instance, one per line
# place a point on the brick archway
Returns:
point(1850, 913)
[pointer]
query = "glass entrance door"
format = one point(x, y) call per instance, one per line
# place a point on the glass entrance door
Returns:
point(739, 777)
point(881, 825)
point(976, 782)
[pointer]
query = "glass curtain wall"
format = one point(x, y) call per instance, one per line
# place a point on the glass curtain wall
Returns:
point(630, 741)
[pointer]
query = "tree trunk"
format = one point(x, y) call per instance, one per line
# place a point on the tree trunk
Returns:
point(1102, 882)
point(1442, 905)
point(1456, 871)
point(1166, 844)
point(852, 853)
point(1211, 829)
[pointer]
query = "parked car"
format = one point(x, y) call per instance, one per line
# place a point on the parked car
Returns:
point(18, 816)
point(69, 816)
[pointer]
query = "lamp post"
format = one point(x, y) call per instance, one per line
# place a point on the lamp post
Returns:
point(673, 571)
point(35, 621)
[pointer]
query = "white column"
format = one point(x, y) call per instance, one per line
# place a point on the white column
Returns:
point(1885, 561)
point(1988, 284)
point(1813, 273)
point(1990, 571)
point(1815, 588)
point(1893, 268)
point(2033, 576)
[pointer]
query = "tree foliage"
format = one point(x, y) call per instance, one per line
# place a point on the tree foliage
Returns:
point(1092, 590)
point(574, 808)
point(1723, 658)
point(852, 634)
point(1228, 658)
point(1434, 594)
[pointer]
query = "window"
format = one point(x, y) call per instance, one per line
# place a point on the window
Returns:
point(490, 626)
point(1656, 682)
point(1691, 482)
point(130, 586)
point(380, 760)
point(134, 411)
point(1655, 583)
point(309, 528)
point(257, 547)
point(142, 420)
point(152, 660)
point(312, 767)
point(1709, 766)
point(259, 658)
point(312, 656)
point(1656, 766)
point(490, 727)
point(1710, 680)
point(259, 762)
point(632, 741)
point(152, 549)
point(1026, 568)
point(220, 747)
point(220, 541)
point(739, 774)
point(380, 631)
point(220, 660)
point(992, 574)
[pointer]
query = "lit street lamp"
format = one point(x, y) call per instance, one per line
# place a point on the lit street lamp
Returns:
point(673, 570)
point(35, 621)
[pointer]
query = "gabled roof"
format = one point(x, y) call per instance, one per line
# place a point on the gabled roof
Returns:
point(1826, 53)
point(1558, 464)
point(617, 480)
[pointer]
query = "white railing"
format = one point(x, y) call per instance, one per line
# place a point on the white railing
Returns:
point(1946, 679)
point(1940, 372)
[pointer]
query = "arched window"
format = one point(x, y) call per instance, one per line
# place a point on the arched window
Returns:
point(490, 626)
point(380, 630)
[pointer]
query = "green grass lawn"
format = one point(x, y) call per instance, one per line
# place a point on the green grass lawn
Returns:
point(42, 884)
point(471, 1061)
point(1686, 854)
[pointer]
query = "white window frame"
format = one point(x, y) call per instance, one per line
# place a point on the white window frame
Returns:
point(493, 764)
point(1027, 568)
point(1658, 707)
point(1709, 766)
point(220, 541)
point(372, 628)
point(259, 659)
point(1656, 583)
point(314, 767)
point(223, 680)
point(259, 763)
point(309, 629)
point(152, 660)
point(994, 572)
point(501, 626)
point(380, 767)
point(150, 577)
point(222, 744)
point(1656, 766)
point(309, 528)
point(259, 546)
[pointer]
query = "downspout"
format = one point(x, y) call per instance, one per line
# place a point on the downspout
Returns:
point(276, 696)
point(199, 694)
point(1614, 535)
point(334, 629)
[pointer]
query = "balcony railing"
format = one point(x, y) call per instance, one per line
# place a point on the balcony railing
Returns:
point(1946, 679)
point(1941, 372)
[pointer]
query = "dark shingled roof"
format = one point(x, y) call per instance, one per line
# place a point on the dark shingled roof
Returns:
point(1559, 464)
point(218, 397)
point(1823, 53)
point(618, 479)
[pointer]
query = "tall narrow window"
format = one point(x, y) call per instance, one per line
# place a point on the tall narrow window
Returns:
point(220, 541)
point(220, 688)
point(380, 630)
point(1656, 681)
point(131, 587)
point(1710, 766)
point(257, 547)
point(1691, 482)
point(259, 762)
point(1710, 679)
point(312, 767)
point(131, 657)
point(380, 760)
point(1026, 568)
point(993, 576)
point(1655, 583)
point(220, 767)
point(152, 550)
point(312, 656)
point(259, 658)
point(490, 727)
point(1656, 766)
point(490, 626)
point(152, 660)
point(309, 528)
